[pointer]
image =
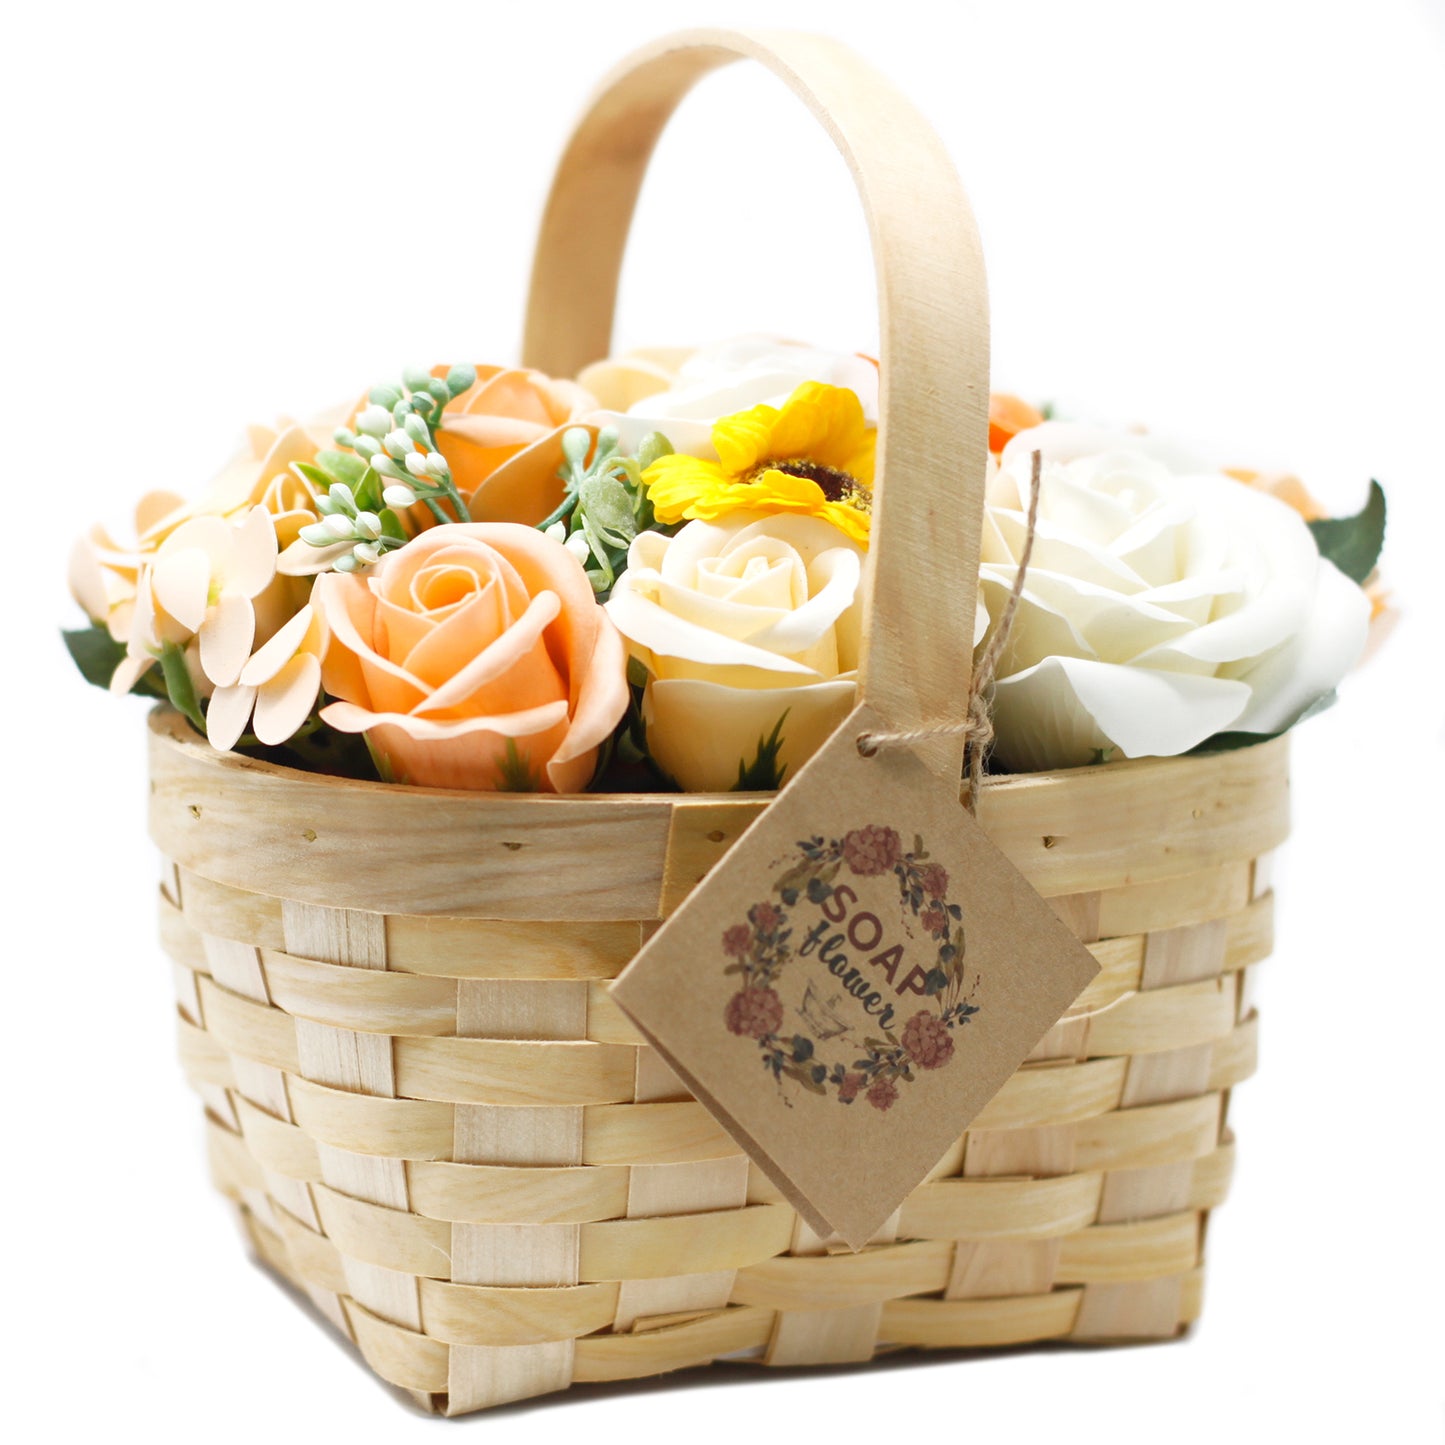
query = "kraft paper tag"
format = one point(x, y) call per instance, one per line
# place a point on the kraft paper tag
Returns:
point(854, 981)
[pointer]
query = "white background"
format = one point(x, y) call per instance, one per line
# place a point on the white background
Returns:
point(1221, 218)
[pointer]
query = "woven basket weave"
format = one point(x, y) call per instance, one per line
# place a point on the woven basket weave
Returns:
point(395, 1004)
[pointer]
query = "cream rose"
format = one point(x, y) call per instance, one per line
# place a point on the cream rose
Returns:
point(682, 394)
point(744, 625)
point(1159, 607)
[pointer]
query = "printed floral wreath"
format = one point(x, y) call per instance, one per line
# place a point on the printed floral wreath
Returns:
point(760, 948)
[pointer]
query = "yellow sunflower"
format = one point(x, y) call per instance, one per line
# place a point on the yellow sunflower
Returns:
point(815, 455)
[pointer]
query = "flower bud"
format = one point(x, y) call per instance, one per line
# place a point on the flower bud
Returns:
point(341, 499)
point(416, 378)
point(578, 545)
point(366, 553)
point(398, 494)
point(440, 390)
point(325, 506)
point(460, 377)
point(557, 532)
point(418, 430)
point(375, 421)
point(436, 464)
point(339, 527)
point(576, 443)
point(346, 563)
point(369, 525)
point(416, 464)
point(366, 447)
point(385, 395)
point(398, 444)
point(343, 436)
point(317, 534)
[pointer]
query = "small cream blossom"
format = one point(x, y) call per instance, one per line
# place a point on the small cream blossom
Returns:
point(201, 584)
point(277, 687)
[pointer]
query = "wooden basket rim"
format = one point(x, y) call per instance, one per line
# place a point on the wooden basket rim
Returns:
point(175, 730)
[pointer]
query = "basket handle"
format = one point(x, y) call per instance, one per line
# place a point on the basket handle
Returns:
point(933, 408)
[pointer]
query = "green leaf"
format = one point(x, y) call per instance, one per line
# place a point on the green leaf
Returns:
point(391, 525)
point(1353, 543)
point(320, 480)
point(344, 466)
point(97, 654)
point(179, 687)
point(607, 504)
point(763, 775)
point(515, 772)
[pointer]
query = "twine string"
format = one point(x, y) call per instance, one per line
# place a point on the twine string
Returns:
point(976, 726)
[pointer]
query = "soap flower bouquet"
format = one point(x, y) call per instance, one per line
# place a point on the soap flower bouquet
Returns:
point(651, 576)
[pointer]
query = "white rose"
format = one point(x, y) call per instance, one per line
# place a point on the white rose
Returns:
point(653, 391)
point(1159, 607)
point(742, 625)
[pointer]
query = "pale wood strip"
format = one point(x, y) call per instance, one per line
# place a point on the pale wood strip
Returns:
point(391, 1238)
point(496, 949)
point(606, 1023)
point(235, 966)
point(188, 996)
point(1184, 955)
point(1099, 828)
point(1067, 1040)
point(1236, 1057)
point(1002, 1268)
point(1069, 832)
point(837, 1281)
point(1154, 1134)
point(1080, 913)
point(466, 1314)
point(203, 1060)
point(1131, 1194)
point(390, 1128)
point(276, 1145)
point(1001, 1208)
point(653, 1134)
point(178, 937)
point(315, 1260)
point(1142, 1249)
point(672, 1189)
point(1042, 1094)
point(485, 1194)
point(620, 1249)
point(701, 831)
point(248, 1030)
point(644, 1304)
point(980, 1323)
point(228, 912)
point(653, 1352)
point(300, 835)
point(1037, 1153)
point(1139, 1309)
point(1262, 881)
point(824, 1337)
point(521, 1009)
point(485, 1134)
point(1158, 1078)
point(1165, 1019)
point(482, 1376)
point(516, 1254)
point(401, 1356)
point(1173, 902)
point(220, 1102)
point(346, 996)
point(505, 1071)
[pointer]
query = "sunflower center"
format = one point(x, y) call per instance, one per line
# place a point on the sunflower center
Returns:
point(836, 485)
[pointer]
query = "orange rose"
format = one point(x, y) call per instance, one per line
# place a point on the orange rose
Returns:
point(502, 438)
point(475, 657)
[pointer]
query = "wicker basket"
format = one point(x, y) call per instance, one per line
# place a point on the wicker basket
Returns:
point(439, 1126)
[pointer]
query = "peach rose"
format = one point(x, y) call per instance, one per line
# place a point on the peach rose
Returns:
point(475, 657)
point(502, 438)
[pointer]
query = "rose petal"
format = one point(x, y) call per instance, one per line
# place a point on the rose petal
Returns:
point(1061, 712)
point(181, 583)
point(253, 561)
point(1290, 679)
